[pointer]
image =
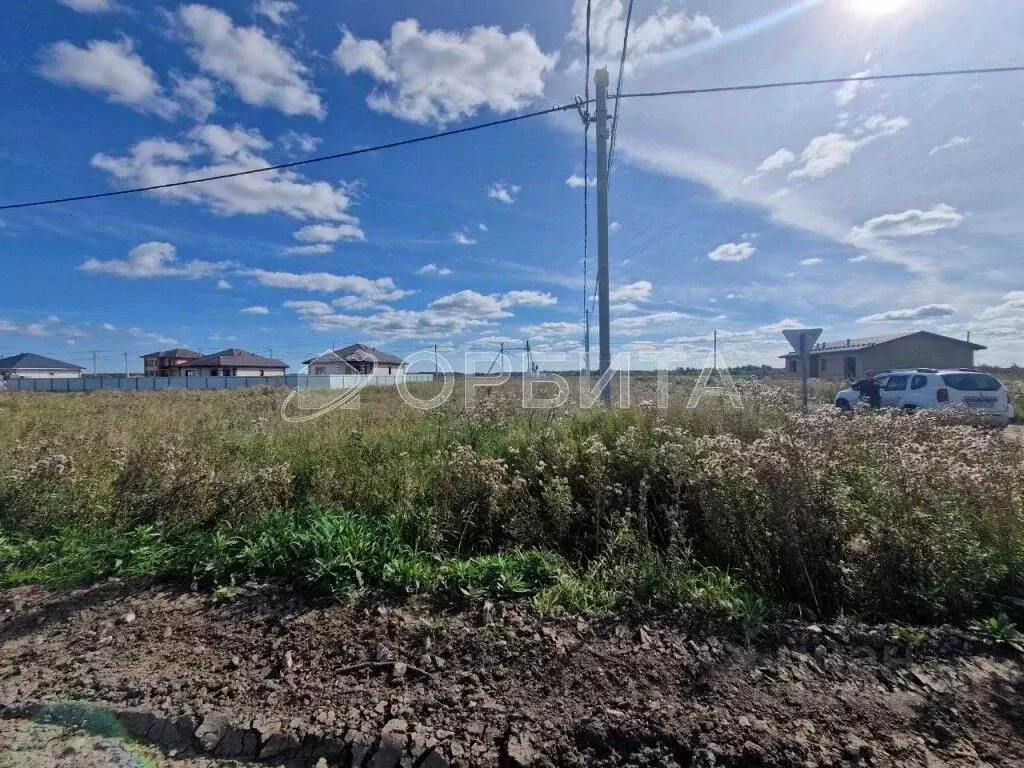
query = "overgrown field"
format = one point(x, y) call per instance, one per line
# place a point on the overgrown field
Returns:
point(744, 513)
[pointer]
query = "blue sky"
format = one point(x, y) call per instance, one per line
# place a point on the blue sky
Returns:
point(864, 209)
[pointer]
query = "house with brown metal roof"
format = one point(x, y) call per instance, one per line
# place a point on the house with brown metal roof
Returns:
point(355, 358)
point(166, 363)
point(232, 362)
point(850, 358)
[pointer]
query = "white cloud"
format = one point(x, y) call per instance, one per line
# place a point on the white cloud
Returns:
point(293, 141)
point(262, 72)
point(576, 181)
point(401, 324)
point(379, 290)
point(50, 325)
point(436, 76)
point(162, 161)
point(433, 269)
point(490, 307)
point(154, 259)
point(256, 310)
point(462, 238)
point(917, 313)
point(848, 91)
point(482, 227)
point(330, 233)
point(777, 160)
point(811, 261)
point(613, 228)
point(275, 10)
point(89, 6)
point(624, 307)
point(638, 291)
point(109, 327)
point(552, 330)
point(228, 142)
point(636, 324)
point(528, 299)
point(447, 316)
point(909, 223)
point(308, 308)
point(111, 68)
point(196, 96)
point(223, 285)
point(309, 250)
point(661, 32)
point(506, 193)
point(956, 141)
point(824, 154)
point(470, 303)
point(1010, 311)
point(732, 252)
point(780, 326)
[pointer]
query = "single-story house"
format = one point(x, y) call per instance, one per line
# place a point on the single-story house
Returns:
point(355, 358)
point(30, 366)
point(850, 358)
point(232, 362)
point(167, 363)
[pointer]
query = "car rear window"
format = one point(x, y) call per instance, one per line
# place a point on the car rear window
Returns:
point(971, 382)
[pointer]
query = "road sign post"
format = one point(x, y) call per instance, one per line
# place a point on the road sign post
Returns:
point(802, 339)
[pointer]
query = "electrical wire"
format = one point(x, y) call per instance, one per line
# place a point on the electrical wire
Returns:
point(821, 81)
point(618, 90)
point(513, 119)
point(296, 163)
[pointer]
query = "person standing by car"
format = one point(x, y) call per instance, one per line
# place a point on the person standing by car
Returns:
point(869, 388)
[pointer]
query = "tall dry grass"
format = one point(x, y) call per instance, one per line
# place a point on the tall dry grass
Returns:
point(883, 515)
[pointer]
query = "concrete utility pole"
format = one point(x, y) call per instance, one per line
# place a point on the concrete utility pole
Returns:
point(603, 313)
point(126, 374)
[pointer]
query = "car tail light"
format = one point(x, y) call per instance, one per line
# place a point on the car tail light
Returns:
point(942, 395)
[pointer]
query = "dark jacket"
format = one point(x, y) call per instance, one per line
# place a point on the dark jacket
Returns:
point(869, 388)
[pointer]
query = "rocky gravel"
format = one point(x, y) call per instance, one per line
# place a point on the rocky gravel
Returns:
point(278, 679)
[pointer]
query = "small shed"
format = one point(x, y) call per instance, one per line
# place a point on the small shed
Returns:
point(850, 358)
point(31, 366)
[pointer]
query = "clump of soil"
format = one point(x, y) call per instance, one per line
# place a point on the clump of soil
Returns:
point(388, 684)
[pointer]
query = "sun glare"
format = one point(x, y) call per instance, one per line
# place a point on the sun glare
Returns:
point(877, 7)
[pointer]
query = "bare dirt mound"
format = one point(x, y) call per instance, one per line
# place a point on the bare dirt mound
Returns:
point(274, 677)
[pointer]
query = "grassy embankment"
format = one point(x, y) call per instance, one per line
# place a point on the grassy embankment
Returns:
point(734, 512)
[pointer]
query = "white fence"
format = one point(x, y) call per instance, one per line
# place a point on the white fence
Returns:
point(154, 383)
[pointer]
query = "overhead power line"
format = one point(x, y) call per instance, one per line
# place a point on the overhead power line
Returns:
point(297, 163)
point(618, 89)
point(821, 81)
point(507, 121)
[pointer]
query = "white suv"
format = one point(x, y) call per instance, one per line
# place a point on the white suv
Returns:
point(930, 388)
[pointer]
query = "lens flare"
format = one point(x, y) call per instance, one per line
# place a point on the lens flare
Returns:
point(877, 7)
